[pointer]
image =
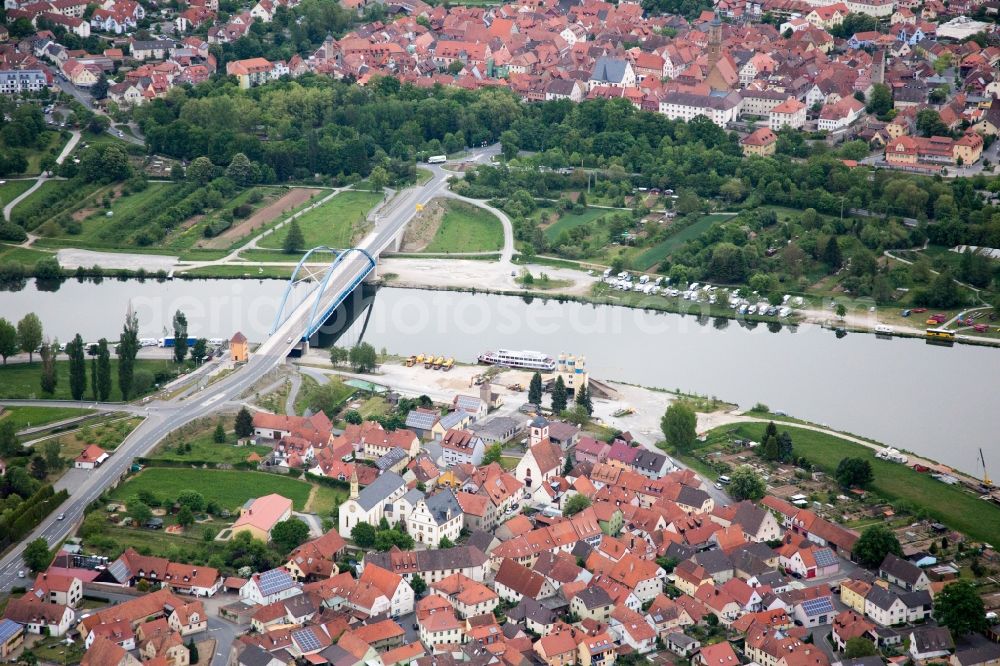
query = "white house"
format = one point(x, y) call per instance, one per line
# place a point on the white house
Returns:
point(92, 457)
point(393, 586)
point(435, 518)
point(268, 587)
point(462, 446)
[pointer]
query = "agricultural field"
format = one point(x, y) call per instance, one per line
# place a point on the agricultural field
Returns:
point(198, 444)
point(952, 505)
point(656, 254)
point(21, 380)
point(228, 488)
point(33, 417)
point(336, 223)
point(569, 220)
point(466, 228)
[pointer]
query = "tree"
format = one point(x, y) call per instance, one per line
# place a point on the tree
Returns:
point(128, 347)
point(103, 369)
point(241, 170)
point(52, 452)
point(10, 445)
point(338, 355)
point(219, 436)
point(49, 379)
point(874, 544)
point(201, 171)
point(880, 100)
point(244, 423)
point(38, 467)
point(493, 454)
point(831, 254)
point(363, 535)
point(193, 656)
point(559, 396)
point(378, 178)
point(445, 542)
point(185, 517)
point(746, 484)
point(294, 241)
point(854, 473)
point(418, 584)
point(858, 647)
point(29, 334)
point(510, 144)
point(576, 504)
point(192, 499)
point(363, 357)
point(37, 555)
point(77, 368)
point(679, 426)
point(583, 399)
point(353, 417)
point(199, 350)
point(180, 337)
point(840, 310)
point(100, 89)
point(535, 389)
point(288, 534)
point(785, 449)
point(8, 339)
point(139, 511)
point(960, 608)
point(929, 123)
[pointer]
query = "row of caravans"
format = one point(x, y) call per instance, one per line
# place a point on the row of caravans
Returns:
point(698, 293)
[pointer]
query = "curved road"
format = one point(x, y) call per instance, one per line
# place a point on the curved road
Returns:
point(162, 417)
point(42, 177)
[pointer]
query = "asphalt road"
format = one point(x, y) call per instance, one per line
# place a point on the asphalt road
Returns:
point(162, 417)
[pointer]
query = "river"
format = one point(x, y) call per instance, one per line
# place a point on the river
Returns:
point(939, 402)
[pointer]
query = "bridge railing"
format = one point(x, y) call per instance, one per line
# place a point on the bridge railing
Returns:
point(302, 274)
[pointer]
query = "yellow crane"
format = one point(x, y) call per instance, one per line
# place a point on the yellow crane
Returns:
point(987, 482)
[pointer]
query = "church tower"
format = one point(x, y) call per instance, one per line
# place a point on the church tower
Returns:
point(354, 484)
point(714, 41)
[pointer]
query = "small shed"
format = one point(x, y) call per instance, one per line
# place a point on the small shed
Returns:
point(239, 349)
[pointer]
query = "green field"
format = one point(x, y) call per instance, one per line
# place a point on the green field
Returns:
point(229, 488)
point(21, 380)
point(23, 255)
point(204, 449)
point(568, 220)
point(467, 228)
point(12, 189)
point(951, 505)
point(31, 417)
point(335, 223)
point(239, 271)
point(96, 223)
point(660, 251)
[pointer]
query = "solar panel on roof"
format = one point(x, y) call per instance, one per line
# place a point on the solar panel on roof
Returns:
point(306, 640)
point(825, 557)
point(119, 570)
point(817, 606)
point(8, 629)
point(274, 581)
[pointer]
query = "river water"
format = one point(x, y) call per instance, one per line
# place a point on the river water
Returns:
point(939, 402)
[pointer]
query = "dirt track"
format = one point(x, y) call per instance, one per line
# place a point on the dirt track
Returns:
point(294, 198)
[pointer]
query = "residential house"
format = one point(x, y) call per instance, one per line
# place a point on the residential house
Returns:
point(259, 516)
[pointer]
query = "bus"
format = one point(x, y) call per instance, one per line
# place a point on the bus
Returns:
point(437, 159)
point(942, 334)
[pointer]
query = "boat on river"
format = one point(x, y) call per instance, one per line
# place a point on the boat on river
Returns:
point(528, 360)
